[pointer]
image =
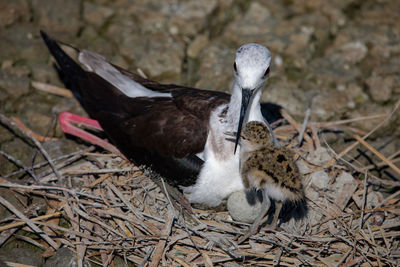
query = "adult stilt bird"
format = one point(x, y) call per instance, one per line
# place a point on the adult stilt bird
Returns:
point(177, 130)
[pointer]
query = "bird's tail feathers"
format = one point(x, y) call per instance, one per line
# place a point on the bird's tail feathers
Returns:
point(69, 68)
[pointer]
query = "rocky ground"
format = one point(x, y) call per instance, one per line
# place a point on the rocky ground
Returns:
point(340, 57)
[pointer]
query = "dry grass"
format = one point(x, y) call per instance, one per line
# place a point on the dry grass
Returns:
point(109, 207)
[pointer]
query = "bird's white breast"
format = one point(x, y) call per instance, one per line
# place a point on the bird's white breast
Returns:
point(220, 175)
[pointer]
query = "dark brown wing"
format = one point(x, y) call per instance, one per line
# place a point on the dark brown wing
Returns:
point(175, 126)
point(160, 132)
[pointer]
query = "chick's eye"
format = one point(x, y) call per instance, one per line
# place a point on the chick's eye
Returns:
point(266, 72)
point(234, 66)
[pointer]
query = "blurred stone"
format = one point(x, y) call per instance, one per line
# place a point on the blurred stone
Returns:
point(184, 18)
point(320, 179)
point(158, 55)
point(256, 25)
point(380, 88)
point(58, 15)
point(95, 14)
point(286, 94)
point(19, 71)
point(335, 13)
point(241, 210)
point(187, 17)
point(303, 167)
point(333, 69)
point(224, 13)
point(20, 44)
point(13, 11)
point(14, 85)
point(21, 256)
point(343, 189)
point(321, 156)
point(356, 95)
point(64, 257)
point(346, 51)
point(198, 44)
point(150, 20)
point(6, 64)
point(386, 67)
point(312, 194)
point(343, 179)
point(298, 42)
point(354, 52)
point(45, 73)
point(329, 103)
point(215, 71)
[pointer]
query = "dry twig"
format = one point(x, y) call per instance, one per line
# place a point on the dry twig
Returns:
point(29, 222)
point(13, 125)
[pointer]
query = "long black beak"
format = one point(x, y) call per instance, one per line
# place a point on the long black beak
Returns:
point(246, 96)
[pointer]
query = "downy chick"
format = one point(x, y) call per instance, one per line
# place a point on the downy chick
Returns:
point(270, 169)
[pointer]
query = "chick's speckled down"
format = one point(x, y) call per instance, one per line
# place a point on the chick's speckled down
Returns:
point(264, 165)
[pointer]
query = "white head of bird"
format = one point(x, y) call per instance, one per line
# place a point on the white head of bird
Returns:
point(252, 66)
point(251, 70)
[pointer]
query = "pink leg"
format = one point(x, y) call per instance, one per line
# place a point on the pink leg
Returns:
point(66, 120)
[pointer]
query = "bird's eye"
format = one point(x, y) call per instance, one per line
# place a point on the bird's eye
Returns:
point(266, 72)
point(234, 66)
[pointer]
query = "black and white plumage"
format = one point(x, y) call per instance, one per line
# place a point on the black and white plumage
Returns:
point(177, 130)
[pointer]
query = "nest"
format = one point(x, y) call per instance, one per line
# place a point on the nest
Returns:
point(102, 207)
